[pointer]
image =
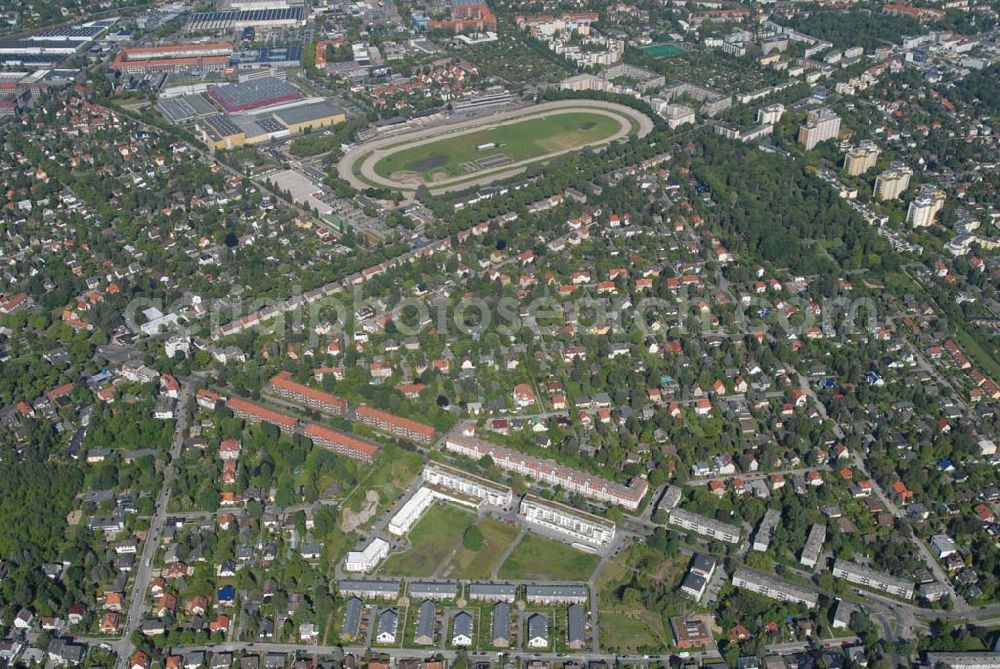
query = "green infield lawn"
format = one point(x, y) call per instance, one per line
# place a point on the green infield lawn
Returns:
point(521, 140)
point(479, 564)
point(432, 540)
point(662, 50)
point(538, 558)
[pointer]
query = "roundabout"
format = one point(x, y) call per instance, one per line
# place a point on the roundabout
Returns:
point(478, 151)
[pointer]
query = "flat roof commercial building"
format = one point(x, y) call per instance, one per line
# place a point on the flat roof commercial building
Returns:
point(772, 587)
point(367, 559)
point(211, 57)
point(569, 523)
point(876, 580)
point(310, 116)
point(707, 527)
point(551, 473)
point(566, 593)
point(253, 94)
point(814, 545)
point(250, 18)
point(451, 478)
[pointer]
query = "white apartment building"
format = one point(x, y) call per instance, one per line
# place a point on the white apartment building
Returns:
point(365, 560)
point(861, 158)
point(770, 114)
point(868, 577)
point(707, 527)
point(814, 545)
point(575, 525)
point(925, 207)
point(765, 530)
point(551, 473)
point(411, 511)
point(470, 485)
point(773, 587)
point(821, 125)
point(893, 182)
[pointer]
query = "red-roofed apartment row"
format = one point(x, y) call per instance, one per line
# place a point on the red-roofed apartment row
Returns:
point(283, 386)
point(341, 443)
point(401, 427)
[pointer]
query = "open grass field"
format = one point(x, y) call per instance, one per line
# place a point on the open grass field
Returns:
point(539, 558)
point(432, 540)
point(472, 564)
point(512, 142)
point(662, 50)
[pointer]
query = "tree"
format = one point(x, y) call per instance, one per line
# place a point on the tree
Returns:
point(473, 538)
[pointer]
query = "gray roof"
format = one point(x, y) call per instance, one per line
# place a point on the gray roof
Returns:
point(428, 588)
point(492, 589)
point(387, 621)
point(357, 586)
point(352, 617)
point(462, 625)
point(538, 626)
point(576, 623)
point(557, 591)
point(501, 621)
point(307, 112)
point(425, 619)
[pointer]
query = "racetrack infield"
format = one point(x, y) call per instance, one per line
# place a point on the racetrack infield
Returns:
point(358, 165)
point(522, 140)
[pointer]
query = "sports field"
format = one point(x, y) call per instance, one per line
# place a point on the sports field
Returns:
point(467, 153)
point(662, 50)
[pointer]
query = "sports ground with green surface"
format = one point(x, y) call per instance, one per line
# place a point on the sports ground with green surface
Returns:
point(662, 50)
point(432, 541)
point(521, 140)
point(538, 558)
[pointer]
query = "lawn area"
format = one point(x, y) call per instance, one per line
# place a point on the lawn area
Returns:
point(520, 140)
point(431, 541)
point(471, 564)
point(666, 50)
point(540, 558)
point(390, 475)
point(627, 634)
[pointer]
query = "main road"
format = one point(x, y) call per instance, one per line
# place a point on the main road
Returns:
point(371, 152)
point(144, 567)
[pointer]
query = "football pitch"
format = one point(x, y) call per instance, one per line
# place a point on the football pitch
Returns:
point(465, 154)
